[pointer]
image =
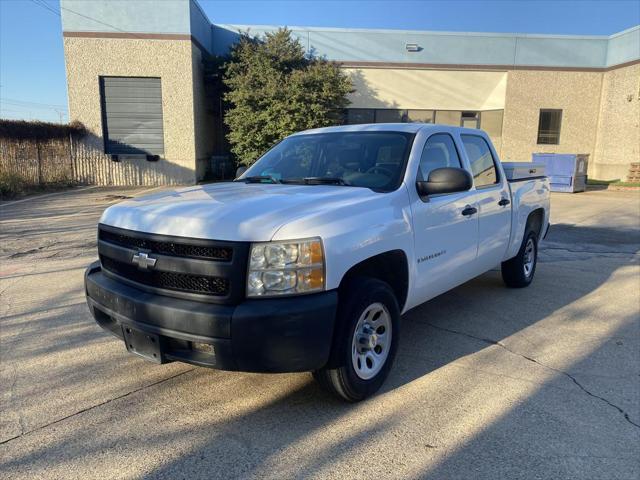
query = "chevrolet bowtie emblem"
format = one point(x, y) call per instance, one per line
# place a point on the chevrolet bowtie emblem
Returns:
point(143, 261)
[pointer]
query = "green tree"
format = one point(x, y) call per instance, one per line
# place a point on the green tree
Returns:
point(274, 89)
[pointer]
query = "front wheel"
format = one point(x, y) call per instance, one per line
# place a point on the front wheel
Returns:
point(368, 318)
point(518, 271)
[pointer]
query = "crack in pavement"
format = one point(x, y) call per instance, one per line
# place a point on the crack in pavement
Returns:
point(8, 397)
point(41, 427)
point(530, 359)
point(67, 249)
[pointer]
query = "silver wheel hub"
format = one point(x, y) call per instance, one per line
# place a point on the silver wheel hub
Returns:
point(371, 341)
point(529, 257)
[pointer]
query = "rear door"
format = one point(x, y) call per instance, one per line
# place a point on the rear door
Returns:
point(493, 199)
point(446, 241)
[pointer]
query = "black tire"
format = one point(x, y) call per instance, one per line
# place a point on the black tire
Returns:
point(360, 295)
point(514, 272)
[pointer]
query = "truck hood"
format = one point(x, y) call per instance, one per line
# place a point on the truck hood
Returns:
point(231, 211)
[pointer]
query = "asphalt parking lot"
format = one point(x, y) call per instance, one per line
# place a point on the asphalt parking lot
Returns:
point(489, 382)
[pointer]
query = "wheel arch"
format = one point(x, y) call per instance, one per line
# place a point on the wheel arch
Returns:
point(535, 222)
point(391, 267)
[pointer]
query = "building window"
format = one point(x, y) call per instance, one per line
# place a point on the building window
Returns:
point(449, 117)
point(390, 116)
point(354, 116)
point(132, 115)
point(483, 165)
point(360, 115)
point(455, 118)
point(491, 122)
point(549, 127)
point(470, 120)
point(420, 116)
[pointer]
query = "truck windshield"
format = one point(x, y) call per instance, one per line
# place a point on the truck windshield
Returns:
point(373, 160)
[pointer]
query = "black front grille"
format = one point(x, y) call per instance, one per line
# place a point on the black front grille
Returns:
point(182, 282)
point(223, 254)
point(206, 270)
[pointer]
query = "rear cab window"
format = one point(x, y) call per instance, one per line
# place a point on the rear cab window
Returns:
point(483, 165)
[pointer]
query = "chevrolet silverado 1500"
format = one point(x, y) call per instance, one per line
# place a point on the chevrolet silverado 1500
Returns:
point(308, 259)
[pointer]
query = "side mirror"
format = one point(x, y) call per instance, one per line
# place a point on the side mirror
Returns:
point(240, 170)
point(445, 180)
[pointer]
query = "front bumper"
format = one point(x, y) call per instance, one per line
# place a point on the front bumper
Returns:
point(267, 335)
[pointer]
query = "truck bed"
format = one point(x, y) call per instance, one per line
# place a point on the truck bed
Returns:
point(527, 195)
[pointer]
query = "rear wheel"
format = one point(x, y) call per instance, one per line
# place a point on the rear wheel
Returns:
point(518, 271)
point(368, 319)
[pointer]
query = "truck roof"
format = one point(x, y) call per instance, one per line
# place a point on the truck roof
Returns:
point(389, 127)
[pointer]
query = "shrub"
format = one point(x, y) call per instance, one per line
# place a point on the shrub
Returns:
point(36, 130)
point(274, 89)
point(11, 185)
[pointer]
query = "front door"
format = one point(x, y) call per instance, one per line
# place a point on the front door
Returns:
point(446, 230)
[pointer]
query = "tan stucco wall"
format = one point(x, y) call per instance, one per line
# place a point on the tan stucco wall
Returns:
point(448, 91)
point(576, 93)
point(427, 89)
point(618, 139)
point(171, 60)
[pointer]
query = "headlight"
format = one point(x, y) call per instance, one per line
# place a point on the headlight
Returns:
point(285, 268)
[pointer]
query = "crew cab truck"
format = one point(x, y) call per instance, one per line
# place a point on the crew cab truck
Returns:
point(307, 260)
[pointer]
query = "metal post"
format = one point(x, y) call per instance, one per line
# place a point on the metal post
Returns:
point(72, 159)
point(39, 163)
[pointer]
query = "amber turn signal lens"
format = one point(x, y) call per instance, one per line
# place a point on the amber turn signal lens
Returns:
point(316, 252)
point(316, 279)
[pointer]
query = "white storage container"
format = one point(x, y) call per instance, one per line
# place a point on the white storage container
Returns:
point(523, 170)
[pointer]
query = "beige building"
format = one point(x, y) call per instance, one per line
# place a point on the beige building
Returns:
point(136, 80)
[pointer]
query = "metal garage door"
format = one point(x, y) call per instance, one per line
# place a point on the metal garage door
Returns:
point(132, 115)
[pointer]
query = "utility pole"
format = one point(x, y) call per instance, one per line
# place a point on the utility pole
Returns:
point(60, 114)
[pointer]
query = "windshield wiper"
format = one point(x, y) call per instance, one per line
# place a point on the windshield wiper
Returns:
point(325, 181)
point(259, 179)
point(297, 181)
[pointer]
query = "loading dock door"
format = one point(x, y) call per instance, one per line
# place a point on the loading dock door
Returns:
point(132, 115)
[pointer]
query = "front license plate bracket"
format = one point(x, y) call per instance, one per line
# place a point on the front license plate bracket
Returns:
point(144, 344)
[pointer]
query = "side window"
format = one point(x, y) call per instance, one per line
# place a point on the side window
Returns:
point(438, 152)
point(483, 167)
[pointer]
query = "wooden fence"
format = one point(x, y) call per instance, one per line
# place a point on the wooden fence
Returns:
point(37, 161)
point(43, 154)
point(40, 153)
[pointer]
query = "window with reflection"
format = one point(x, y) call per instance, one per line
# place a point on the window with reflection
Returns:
point(439, 152)
point(483, 167)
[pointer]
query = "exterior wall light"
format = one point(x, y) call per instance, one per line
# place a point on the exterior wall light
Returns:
point(412, 47)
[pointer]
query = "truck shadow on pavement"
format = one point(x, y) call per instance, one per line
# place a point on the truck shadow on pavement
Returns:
point(489, 382)
point(525, 409)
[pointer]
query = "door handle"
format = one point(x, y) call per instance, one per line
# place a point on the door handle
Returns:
point(504, 202)
point(469, 210)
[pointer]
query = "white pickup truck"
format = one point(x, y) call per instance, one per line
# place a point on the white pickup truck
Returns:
point(309, 258)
